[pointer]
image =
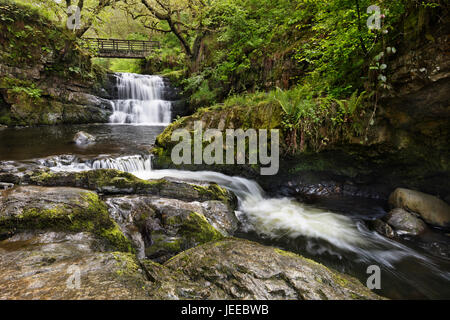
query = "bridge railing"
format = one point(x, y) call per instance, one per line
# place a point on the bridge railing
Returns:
point(117, 46)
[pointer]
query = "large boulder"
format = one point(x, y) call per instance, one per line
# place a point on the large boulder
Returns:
point(67, 266)
point(433, 210)
point(65, 209)
point(240, 269)
point(72, 266)
point(162, 227)
point(405, 222)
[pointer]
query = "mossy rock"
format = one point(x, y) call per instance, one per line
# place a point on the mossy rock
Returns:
point(181, 232)
point(241, 269)
point(59, 209)
point(45, 265)
point(111, 182)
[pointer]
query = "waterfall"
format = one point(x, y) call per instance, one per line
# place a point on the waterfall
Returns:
point(269, 217)
point(126, 164)
point(140, 101)
point(135, 163)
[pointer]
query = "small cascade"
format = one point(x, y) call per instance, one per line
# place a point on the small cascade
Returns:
point(140, 100)
point(135, 163)
point(126, 164)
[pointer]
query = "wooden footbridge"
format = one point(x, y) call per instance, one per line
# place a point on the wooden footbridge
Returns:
point(115, 48)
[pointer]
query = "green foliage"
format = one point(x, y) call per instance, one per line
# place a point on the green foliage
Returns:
point(21, 86)
point(201, 95)
point(120, 65)
point(248, 42)
point(311, 119)
point(31, 91)
point(340, 45)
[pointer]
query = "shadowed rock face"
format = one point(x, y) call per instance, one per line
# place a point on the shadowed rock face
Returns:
point(162, 227)
point(240, 269)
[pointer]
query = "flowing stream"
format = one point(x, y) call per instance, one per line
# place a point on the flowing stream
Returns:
point(336, 240)
point(333, 239)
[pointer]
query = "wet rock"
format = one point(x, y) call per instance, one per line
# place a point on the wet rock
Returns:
point(17, 173)
point(405, 222)
point(53, 161)
point(58, 209)
point(112, 182)
point(6, 186)
point(62, 266)
point(167, 227)
point(382, 228)
point(240, 269)
point(83, 138)
point(433, 210)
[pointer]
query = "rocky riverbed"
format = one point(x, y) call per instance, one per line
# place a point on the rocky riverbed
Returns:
point(172, 241)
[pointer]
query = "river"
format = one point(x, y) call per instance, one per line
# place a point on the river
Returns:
point(339, 240)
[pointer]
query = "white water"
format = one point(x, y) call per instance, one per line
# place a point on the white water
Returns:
point(284, 217)
point(140, 101)
point(135, 163)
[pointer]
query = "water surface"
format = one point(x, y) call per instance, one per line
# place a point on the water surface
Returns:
point(40, 142)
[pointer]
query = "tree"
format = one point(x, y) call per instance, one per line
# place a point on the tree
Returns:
point(182, 18)
point(89, 11)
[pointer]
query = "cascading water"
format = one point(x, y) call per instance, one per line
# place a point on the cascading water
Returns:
point(349, 241)
point(136, 163)
point(140, 101)
point(325, 232)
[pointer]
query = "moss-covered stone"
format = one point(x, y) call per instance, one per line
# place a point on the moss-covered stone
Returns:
point(197, 228)
point(59, 209)
point(110, 181)
point(181, 232)
point(240, 269)
point(44, 265)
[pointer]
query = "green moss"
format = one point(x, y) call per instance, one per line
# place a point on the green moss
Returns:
point(192, 231)
point(92, 218)
point(162, 243)
point(214, 192)
point(197, 228)
point(287, 253)
point(126, 263)
point(101, 180)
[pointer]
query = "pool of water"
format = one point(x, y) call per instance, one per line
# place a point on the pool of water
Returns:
point(40, 142)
